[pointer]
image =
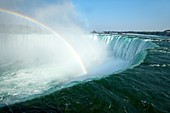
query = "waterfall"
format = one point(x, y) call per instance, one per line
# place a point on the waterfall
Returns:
point(129, 48)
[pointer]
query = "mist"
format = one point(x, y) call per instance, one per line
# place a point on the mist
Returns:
point(44, 44)
point(63, 18)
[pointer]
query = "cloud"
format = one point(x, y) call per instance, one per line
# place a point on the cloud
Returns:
point(60, 15)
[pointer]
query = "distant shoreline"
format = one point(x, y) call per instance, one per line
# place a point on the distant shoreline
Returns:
point(159, 33)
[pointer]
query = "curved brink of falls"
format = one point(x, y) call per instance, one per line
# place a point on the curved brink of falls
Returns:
point(123, 52)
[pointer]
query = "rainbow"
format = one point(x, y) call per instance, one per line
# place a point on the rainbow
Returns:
point(50, 30)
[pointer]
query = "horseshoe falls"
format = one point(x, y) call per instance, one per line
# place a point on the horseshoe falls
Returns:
point(47, 66)
point(33, 64)
point(33, 70)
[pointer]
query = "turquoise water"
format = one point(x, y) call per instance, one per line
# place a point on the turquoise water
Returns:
point(144, 88)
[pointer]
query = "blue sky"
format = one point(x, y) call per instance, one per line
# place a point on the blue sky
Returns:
point(139, 15)
point(125, 14)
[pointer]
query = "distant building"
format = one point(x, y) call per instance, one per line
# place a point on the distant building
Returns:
point(94, 31)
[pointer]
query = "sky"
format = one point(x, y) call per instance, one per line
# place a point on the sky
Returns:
point(99, 15)
point(136, 15)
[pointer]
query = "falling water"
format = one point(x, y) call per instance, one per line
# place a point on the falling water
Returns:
point(34, 59)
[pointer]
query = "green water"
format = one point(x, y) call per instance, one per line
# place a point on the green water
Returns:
point(143, 89)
